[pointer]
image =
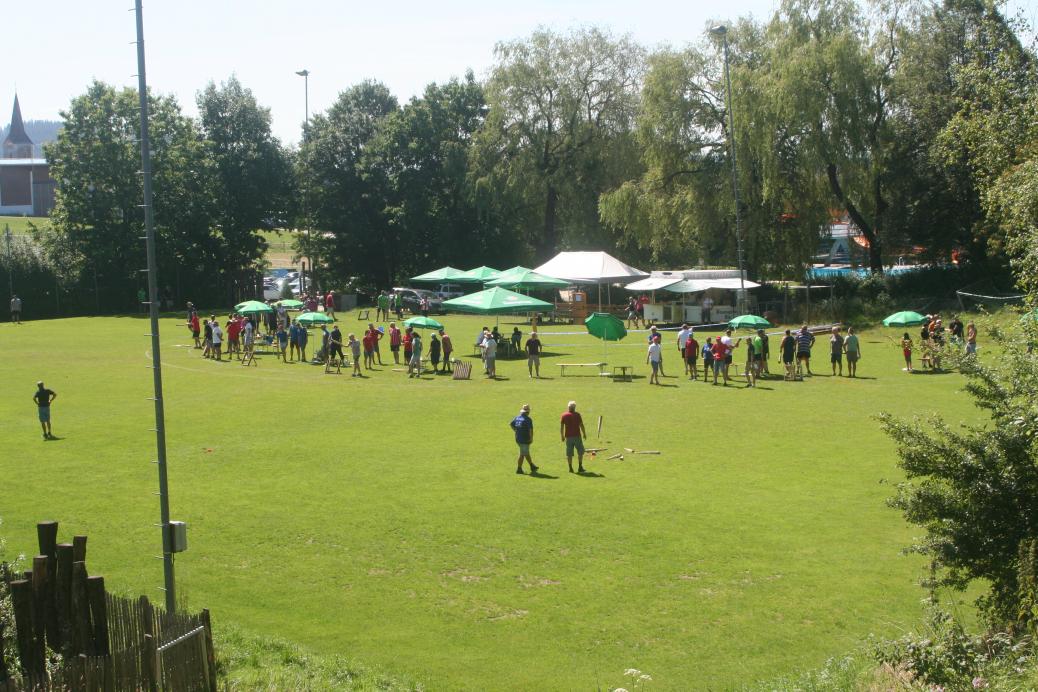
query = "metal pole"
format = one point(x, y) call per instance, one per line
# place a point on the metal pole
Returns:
point(305, 74)
point(153, 309)
point(741, 302)
point(10, 260)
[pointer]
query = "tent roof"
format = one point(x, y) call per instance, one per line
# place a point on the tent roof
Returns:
point(697, 285)
point(653, 283)
point(589, 268)
point(496, 301)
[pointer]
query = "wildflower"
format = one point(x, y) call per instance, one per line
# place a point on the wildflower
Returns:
point(632, 672)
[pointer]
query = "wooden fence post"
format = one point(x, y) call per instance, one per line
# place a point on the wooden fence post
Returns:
point(149, 665)
point(21, 597)
point(82, 632)
point(210, 650)
point(4, 675)
point(98, 615)
point(40, 604)
point(63, 597)
point(79, 548)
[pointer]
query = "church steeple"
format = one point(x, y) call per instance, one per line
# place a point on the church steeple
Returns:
point(17, 144)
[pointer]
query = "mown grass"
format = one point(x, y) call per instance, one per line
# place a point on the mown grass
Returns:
point(19, 225)
point(381, 518)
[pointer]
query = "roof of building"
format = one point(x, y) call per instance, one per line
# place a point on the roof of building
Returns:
point(17, 134)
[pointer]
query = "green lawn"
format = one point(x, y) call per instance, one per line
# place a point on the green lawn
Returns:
point(382, 518)
point(19, 225)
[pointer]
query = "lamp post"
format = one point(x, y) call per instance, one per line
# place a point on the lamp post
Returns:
point(722, 31)
point(10, 260)
point(305, 74)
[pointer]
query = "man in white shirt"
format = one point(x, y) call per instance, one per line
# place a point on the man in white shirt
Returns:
point(708, 304)
point(729, 347)
point(682, 340)
point(490, 351)
point(217, 339)
point(654, 357)
point(247, 336)
point(16, 309)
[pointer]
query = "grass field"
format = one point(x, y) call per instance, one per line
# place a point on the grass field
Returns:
point(381, 518)
point(19, 225)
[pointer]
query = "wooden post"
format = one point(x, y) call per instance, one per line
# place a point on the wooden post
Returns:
point(63, 597)
point(98, 615)
point(79, 548)
point(47, 534)
point(149, 666)
point(21, 598)
point(40, 603)
point(210, 650)
point(4, 674)
point(82, 633)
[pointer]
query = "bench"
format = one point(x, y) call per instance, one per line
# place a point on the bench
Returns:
point(625, 372)
point(600, 367)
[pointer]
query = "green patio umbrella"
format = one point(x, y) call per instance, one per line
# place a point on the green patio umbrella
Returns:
point(606, 327)
point(309, 319)
point(423, 323)
point(520, 277)
point(290, 304)
point(496, 301)
point(905, 318)
point(478, 275)
point(749, 322)
point(252, 306)
point(444, 274)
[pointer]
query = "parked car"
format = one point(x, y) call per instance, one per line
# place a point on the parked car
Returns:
point(412, 297)
point(448, 291)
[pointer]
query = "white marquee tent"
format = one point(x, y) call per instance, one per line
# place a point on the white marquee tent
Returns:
point(589, 268)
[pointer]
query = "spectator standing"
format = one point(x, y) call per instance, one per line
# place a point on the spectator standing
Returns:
point(293, 339)
point(247, 335)
point(368, 342)
point(406, 342)
point(434, 352)
point(729, 349)
point(720, 350)
point(233, 330)
point(304, 337)
point(788, 347)
point(533, 355)
point(448, 349)
point(217, 337)
point(708, 358)
point(395, 340)
point(906, 351)
point(355, 354)
point(43, 398)
point(805, 340)
point(852, 347)
point(691, 356)
point(654, 358)
point(329, 304)
point(207, 349)
point(382, 307)
point(632, 312)
point(195, 327)
point(523, 427)
point(517, 341)
point(971, 339)
point(836, 350)
point(398, 304)
point(376, 336)
point(708, 306)
point(415, 363)
point(683, 335)
point(282, 337)
point(571, 428)
point(335, 344)
point(490, 352)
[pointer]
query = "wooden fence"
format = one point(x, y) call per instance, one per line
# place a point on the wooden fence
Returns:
point(106, 642)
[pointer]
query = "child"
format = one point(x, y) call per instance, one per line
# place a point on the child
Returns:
point(906, 350)
point(708, 358)
point(283, 341)
point(407, 346)
point(369, 350)
point(355, 353)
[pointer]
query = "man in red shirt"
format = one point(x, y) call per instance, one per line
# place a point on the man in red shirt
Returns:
point(720, 350)
point(571, 428)
point(233, 329)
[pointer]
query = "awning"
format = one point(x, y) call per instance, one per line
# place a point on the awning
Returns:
point(698, 285)
point(653, 283)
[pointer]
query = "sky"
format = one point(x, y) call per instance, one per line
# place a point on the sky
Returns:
point(406, 44)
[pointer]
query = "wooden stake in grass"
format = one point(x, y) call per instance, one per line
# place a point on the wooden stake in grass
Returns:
point(646, 451)
point(615, 456)
point(628, 449)
point(600, 427)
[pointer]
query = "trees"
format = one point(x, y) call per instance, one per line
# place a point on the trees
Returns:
point(557, 134)
point(252, 183)
point(97, 217)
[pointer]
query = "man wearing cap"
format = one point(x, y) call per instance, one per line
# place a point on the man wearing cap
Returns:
point(43, 397)
point(523, 427)
point(571, 428)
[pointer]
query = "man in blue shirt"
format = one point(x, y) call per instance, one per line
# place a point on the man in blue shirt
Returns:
point(523, 427)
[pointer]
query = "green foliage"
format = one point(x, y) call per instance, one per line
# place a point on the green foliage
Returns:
point(973, 489)
point(250, 662)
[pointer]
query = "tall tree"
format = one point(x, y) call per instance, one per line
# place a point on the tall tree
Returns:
point(97, 216)
point(252, 183)
point(557, 135)
point(343, 198)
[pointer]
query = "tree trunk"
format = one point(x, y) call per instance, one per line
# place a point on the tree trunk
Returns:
point(875, 249)
point(549, 238)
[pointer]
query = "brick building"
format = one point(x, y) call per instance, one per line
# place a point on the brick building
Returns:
point(26, 188)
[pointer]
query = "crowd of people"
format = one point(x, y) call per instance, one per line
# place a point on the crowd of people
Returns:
point(932, 338)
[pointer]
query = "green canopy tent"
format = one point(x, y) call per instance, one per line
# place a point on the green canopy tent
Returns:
point(496, 301)
point(905, 318)
point(606, 327)
point(290, 304)
point(520, 277)
point(479, 275)
point(442, 275)
point(421, 322)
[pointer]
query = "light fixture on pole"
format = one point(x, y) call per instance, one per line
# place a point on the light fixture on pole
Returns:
point(305, 74)
point(722, 31)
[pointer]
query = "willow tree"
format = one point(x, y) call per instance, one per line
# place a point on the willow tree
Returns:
point(557, 132)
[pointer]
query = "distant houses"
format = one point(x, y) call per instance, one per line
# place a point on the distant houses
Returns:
point(26, 188)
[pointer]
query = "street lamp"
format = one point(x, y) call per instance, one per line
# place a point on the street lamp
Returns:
point(305, 74)
point(722, 31)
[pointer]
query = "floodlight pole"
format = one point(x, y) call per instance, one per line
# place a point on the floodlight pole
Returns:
point(10, 260)
point(153, 309)
point(305, 74)
point(722, 31)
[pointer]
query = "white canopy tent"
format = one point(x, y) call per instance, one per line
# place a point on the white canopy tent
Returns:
point(674, 282)
point(595, 268)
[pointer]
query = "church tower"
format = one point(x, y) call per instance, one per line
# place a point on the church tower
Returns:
point(17, 145)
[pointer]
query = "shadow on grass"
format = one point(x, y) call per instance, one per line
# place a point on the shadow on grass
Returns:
point(54, 438)
point(539, 474)
point(589, 474)
point(927, 372)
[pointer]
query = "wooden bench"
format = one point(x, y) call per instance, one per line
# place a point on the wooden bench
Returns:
point(600, 366)
point(626, 373)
